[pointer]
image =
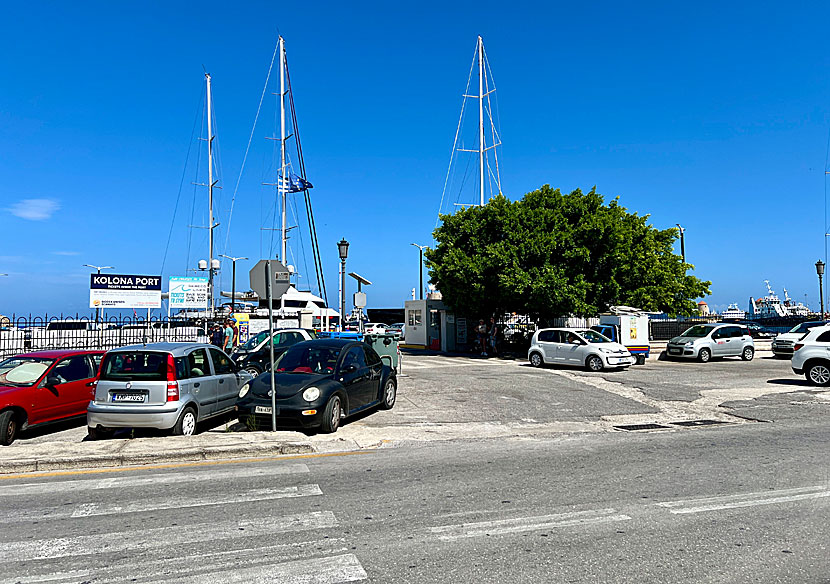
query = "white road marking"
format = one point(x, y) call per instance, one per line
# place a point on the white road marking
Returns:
point(330, 570)
point(147, 505)
point(745, 500)
point(50, 487)
point(522, 524)
point(161, 537)
point(90, 509)
point(53, 578)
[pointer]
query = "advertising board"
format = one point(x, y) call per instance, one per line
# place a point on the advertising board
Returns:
point(124, 291)
point(188, 292)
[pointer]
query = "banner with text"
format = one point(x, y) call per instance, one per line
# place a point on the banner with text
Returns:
point(188, 292)
point(124, 291)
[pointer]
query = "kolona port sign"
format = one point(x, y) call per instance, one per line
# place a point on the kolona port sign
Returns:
point(124, 291)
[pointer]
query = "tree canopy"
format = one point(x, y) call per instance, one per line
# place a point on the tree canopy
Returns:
point(552, 254)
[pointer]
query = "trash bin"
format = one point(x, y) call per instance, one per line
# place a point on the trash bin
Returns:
point(385, 345)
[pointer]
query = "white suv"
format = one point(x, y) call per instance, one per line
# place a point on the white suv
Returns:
point(811, 356)
point(580, 347)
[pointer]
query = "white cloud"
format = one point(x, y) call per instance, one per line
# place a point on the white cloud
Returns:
point(35, 209)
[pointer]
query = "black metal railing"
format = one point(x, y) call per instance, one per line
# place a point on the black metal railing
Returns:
point(35, 333)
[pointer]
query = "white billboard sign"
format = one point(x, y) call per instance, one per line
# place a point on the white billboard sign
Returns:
point(188, 292)
point(124, 291)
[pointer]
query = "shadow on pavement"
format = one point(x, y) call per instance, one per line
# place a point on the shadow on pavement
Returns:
point(53, 428)
point(793, 381)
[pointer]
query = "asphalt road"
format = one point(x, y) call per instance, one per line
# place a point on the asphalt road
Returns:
point(731, 503)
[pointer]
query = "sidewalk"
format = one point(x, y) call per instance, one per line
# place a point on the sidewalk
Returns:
point(63, 455)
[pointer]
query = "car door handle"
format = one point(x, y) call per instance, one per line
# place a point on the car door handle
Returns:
point(90, 384)
point(196, 384)
point(221, 381)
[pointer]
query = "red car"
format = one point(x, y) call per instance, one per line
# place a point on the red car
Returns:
point(45, 386)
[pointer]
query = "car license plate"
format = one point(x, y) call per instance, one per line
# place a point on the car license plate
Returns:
point(675, 351)
point(262, 409)
point(128, 397)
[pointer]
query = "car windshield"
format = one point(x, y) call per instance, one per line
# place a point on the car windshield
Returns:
point(804, 327)
point(697, 331)
point(23, 371)
point(593, 337)
point(139, 365)
point(252, 343)
point(309, 359)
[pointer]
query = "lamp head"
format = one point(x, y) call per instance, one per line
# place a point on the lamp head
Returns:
point(820, 268)
point(343, 248)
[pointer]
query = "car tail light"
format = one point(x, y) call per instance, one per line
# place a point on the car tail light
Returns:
point(172, 383)
point(798, 346)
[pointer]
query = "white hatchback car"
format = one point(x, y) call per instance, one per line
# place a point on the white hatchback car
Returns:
point(579, 347)
point(811, 356)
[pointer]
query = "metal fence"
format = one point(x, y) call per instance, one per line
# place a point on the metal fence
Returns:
point(23, 334)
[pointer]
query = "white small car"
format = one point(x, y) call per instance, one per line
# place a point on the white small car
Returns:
point(782, 345)
point(374, 328)
point(578, 347)
point(811, 356)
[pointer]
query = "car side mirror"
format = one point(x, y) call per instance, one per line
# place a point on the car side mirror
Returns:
point(52, 381)
point(348, 369)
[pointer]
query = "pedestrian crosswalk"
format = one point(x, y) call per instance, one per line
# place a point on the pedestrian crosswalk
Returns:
point(264, 523)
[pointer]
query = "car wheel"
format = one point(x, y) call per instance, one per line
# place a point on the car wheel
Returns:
point(8, 427)
point(593, 363)
point(818, 374)
point(390, 393)
point(331, 416)
point(99, 433)
point(186, 426)
point(747, 354)
point(536, 360)
point(253, 370)
point(641, 359)
point(704, 355)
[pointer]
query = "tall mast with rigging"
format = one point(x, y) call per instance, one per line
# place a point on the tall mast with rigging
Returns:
point(481, 146)
point(210, 185)
point(283, 179)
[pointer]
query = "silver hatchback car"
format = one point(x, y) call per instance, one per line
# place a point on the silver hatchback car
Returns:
point(704, 341)
point(165, 386)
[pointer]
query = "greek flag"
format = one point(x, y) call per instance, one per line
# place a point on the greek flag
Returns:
point(294, 184)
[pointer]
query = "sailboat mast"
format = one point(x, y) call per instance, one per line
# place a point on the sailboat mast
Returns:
point(210, 194)
point(481, 120)
point(283, 184)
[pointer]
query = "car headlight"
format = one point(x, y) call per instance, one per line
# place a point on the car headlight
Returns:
point(243, 391)
point(689, 343)
point(311, 394)
point(604, 350)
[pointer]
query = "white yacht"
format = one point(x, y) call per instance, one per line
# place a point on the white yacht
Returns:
point(772, 306)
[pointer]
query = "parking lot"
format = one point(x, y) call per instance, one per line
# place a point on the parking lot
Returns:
point(443, 397)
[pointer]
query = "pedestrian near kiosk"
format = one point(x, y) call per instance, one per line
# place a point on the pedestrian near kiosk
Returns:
point(235, 328)
point(494, 336)
point(481, 331)
point(216, 335)
point(227, 343)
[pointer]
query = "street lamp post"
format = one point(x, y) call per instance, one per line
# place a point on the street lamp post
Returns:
point(820, 272)
point(233, 283)
point(682, 242)
point(421, 249)
point(343, 250)
point(98, 268)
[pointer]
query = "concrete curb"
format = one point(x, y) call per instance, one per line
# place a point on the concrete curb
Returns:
point(241, 451)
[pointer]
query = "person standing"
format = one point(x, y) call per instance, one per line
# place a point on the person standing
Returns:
point(481, 331)
point(227, 343)
point(235, 328)
point(494, 332)
point(216, 335)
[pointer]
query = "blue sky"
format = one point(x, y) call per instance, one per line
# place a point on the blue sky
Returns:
point(710, 115)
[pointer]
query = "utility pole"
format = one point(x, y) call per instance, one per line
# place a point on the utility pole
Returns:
point(233, 283)
point(211, 184)
point(682, 242)
point(421, 249)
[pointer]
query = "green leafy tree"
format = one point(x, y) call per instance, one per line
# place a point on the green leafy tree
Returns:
point(552, 254)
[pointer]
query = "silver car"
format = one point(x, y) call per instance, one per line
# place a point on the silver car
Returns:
point(704, 341)
point(165, 386)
